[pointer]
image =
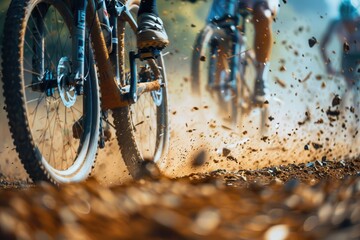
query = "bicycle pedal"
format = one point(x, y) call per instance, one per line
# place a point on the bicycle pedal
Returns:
point(148, 53)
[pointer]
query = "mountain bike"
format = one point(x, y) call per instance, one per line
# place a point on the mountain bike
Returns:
point(63, 76)
point(221, 46)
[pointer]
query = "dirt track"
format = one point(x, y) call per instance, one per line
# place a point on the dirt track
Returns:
point(265, 204)
point(298, 108)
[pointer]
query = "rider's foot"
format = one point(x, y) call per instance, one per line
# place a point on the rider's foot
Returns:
point(259, 98)
point(151, 32)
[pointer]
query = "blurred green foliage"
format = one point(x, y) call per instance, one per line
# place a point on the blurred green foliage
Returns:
point(172, 12)
point(4, 4)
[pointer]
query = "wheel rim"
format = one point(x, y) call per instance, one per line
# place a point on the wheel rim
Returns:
point(219, 74)
point(53, 112)
point(148, 114)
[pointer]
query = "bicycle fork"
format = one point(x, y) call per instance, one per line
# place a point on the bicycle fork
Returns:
point(110, 69)
point(78, 58)
point(69, 76)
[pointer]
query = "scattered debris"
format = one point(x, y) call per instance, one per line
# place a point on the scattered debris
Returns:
point(312, 41)
point(199, 159)
point(282, 68)
point(307, 118)
point(317, 145)
point(307, 77)
point(332, 113)
point(336, 100)
point(280, 82)
point(226, 152)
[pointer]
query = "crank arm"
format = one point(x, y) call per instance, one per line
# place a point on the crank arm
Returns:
point(141, 88)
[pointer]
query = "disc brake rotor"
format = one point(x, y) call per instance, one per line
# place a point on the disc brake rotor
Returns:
point(66, 91)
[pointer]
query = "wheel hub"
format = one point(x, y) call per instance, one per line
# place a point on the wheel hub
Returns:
point(66, 90)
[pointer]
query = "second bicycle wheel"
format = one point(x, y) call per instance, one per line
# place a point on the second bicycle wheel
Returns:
point(219, 79)
point(142, 129)
point(213, 54)
point(55, 130)
point(245, 92)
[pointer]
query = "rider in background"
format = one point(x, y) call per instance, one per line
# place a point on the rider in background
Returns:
point(347, 29)
point(263, 12)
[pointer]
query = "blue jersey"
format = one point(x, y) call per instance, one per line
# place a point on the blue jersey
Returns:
point(221, 9)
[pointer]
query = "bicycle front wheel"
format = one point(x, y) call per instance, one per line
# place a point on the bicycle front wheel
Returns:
point(55, 130)
point(142, 129)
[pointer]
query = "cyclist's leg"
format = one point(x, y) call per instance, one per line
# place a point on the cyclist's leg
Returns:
point(151, 31)
point(262, 20)
point(350, 63)
point(148, 6)
point(350, 96)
